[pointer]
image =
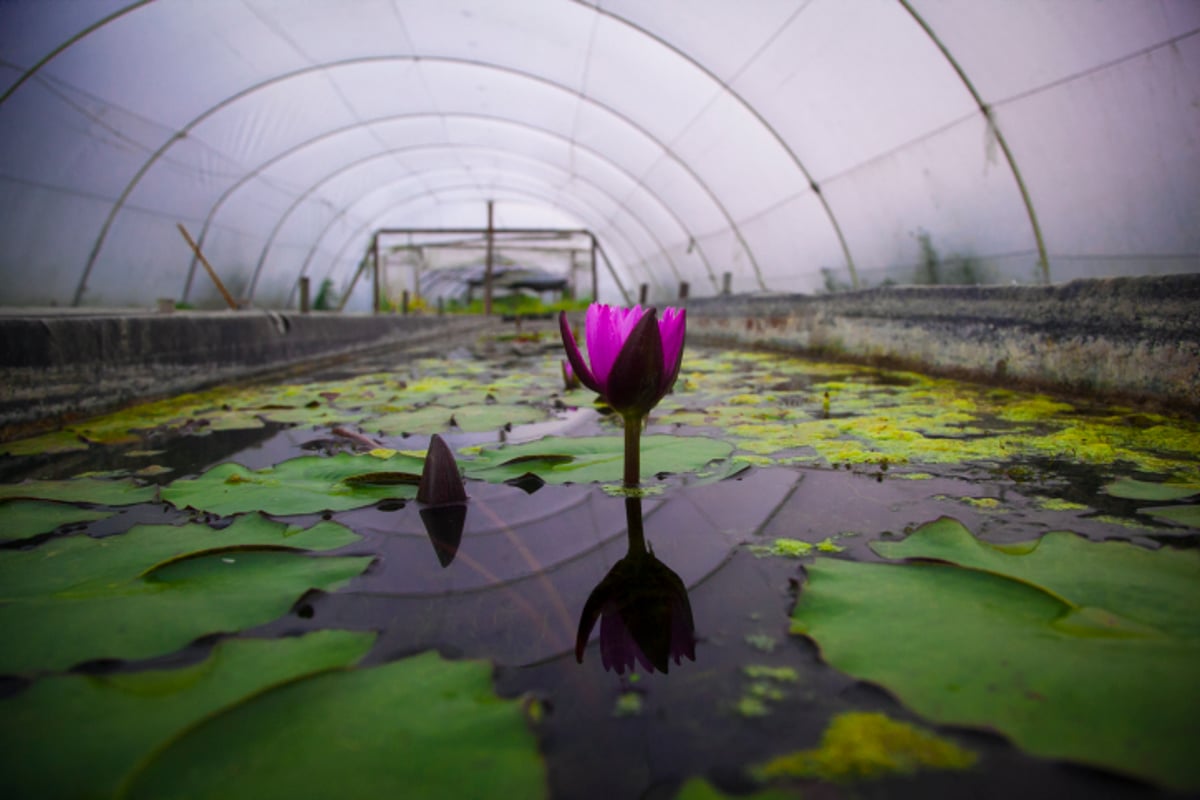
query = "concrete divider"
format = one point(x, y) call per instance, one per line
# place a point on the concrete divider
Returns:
point(1134, 338)
point(58, 365)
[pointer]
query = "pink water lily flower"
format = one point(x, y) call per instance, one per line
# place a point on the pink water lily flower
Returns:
point(634, 356)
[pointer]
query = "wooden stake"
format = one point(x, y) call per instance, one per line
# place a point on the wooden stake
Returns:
point(211, 272)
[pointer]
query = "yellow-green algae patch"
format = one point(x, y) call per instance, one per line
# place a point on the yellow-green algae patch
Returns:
point(785, 408)
point(865, 745)
point(796, 548)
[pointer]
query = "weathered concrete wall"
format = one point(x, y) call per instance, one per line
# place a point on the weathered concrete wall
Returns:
point(1136, 338)
point(53, 366)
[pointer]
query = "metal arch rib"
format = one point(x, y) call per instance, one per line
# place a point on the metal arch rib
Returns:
point(442, 115)
point(183, 132)
point(767, 126)
point(46, 59)
point(387, 154)
point(986, 110)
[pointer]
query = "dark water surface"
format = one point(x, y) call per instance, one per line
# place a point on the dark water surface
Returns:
point(530, 556)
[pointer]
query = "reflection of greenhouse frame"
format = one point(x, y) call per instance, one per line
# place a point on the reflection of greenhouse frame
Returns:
point(489, 240)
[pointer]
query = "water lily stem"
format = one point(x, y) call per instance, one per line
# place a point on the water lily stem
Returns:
point(633, 450)
point(637, 535)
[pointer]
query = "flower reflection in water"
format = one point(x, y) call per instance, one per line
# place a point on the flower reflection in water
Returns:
point(643, 608)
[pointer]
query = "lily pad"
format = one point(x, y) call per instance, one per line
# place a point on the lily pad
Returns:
point(440, 418)
point(100, 491)
point(303, 485)
point(155, 588)
point(600, 458)
point(104, 725)
point(421, 727)
point(20, 519)
point(1075, 650)
point(1132, 489)
point(1180, 515)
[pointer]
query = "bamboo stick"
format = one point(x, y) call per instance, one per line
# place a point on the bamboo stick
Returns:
point(211, 272)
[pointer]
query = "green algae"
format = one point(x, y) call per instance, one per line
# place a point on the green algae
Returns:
point(796, 548)
point(865, 746)
point(629, 704)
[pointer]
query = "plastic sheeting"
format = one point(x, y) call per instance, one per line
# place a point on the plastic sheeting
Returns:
point(798, 145)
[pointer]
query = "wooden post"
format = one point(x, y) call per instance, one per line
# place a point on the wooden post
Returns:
point(643, 291)
point(683, 290)
point(487, 270)
point(212, 273)
point(304, 295)
point(404, 302)
point(727, 283)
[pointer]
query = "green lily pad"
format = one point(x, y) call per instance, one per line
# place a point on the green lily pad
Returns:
point(104, 725)
point(1132, 489)
point(1181, 515)
point(1028, 641)
point(303, 485)
point(54, 442)
point(421, 727)
point(557, 459)
point(20, 519)
point(100, 491)
point(156, 588)
point(472, 418)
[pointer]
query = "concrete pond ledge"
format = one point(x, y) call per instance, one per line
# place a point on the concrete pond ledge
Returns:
point(57, 366)
point(1122, 338)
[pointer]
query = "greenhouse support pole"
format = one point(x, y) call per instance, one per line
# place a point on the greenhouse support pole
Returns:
point(378, 277)
point(362, 265)
point(599, 249)
point(989, 118)
point(595, 288)
point(488, 265)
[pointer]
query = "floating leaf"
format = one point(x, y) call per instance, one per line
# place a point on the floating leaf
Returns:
point(104, 725)
point(20, 519)
point(303, 485)
point(155, 588)
point(46, 443)
point(1159, 588)
point(421, 727)
point(1132, 489)
point(599, 458)
point(473, 418)
point(81, 490)
point(1075, 650)
point(1181, 515)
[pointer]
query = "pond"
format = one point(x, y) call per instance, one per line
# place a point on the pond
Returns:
point(863, 583)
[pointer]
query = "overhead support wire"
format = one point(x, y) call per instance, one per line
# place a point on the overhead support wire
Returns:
point(996, 133)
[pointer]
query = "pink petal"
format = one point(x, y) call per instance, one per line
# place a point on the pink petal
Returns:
point(574, 356)
point(673, 327)
point(607, 330)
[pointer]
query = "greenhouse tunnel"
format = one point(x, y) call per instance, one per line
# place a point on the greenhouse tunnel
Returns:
point(599, 399)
